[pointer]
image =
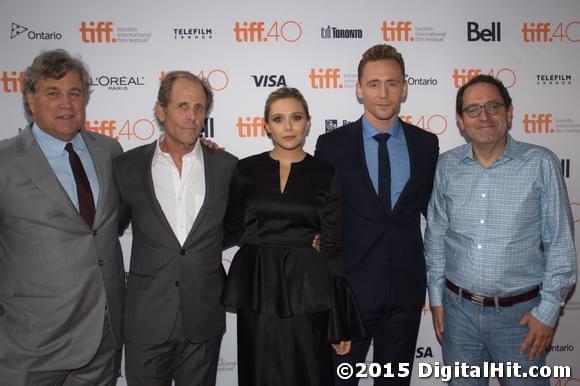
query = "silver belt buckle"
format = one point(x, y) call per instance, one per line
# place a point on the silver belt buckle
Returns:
point(476, 299)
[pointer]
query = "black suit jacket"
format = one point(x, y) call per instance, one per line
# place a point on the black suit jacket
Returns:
point(383, 253)
point(166, 278)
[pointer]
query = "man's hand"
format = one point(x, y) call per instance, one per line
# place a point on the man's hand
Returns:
point(210, 144)
point(539, 336)
point(437, 313)
point(341, 348)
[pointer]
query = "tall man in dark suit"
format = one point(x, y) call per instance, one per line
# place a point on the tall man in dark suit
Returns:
point(61, 268)
point(176, 194)
point(387, 168)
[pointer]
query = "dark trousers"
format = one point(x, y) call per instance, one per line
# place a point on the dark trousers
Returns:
point(102, 370)
point(178, 359)
point(393, 333)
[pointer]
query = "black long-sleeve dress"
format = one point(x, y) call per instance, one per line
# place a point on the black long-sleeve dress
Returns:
point(291, 299)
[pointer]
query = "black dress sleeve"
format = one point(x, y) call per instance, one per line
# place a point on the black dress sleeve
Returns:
point(234, 217)
point(345, 320)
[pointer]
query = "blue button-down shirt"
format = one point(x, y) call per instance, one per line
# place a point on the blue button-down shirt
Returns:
point(57, 157)
point(501, 230)
point(398, 157)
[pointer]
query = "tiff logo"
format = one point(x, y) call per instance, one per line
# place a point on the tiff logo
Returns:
point(460, 77)
point(565, 167)
point(538, 124)
point(397, 31)
point(106, 127)
point(250, 32)
point(492, 34)
point(13, 82)
point(325, 78)
point(536, 32)
point(251, 127)
point(100, 32)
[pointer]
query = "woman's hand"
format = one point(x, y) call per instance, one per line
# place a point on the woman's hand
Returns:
point(342, 348)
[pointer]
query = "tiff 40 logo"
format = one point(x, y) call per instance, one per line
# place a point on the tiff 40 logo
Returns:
point(434, 123)
point(460, 76)
point(546, 32)
point(289, 31)
point(218, 79)
point(142, 129)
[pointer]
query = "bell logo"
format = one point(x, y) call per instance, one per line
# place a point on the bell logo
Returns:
point(565, 167)
point(492, 34)
point(99, 32)
point(325, 78)
point(251, 127)
point(257, 31)
point(538, 124)
point(12, 81)
point(397, 31)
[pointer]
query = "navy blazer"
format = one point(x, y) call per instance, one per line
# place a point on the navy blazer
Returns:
point(383, 253)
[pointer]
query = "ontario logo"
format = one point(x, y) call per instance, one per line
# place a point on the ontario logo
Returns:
point(17, 30)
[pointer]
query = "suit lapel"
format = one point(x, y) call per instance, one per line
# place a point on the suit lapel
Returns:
point(102, 162)
point(144, 164)
point(36, 166)
point(362, 171)
point(412, 150)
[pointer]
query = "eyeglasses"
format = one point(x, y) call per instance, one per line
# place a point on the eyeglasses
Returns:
point(492, 108)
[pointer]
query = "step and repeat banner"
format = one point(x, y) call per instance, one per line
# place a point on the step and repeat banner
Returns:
point(248, 49)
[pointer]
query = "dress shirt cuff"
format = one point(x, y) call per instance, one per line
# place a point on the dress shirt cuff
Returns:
point(436, 295)
point(547, 313)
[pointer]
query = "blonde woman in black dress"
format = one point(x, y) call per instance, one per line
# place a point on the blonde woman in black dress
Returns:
point(293, 304)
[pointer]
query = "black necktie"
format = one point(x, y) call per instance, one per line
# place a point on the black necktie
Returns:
point(384, 171)
point(86, 202)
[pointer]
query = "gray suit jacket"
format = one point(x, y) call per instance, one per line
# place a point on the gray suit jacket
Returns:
point(56, 274)
point(165, 278)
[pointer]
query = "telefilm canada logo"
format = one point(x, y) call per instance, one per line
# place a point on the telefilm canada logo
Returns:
point(556, 79)
point(192, 33)
point(17, 30)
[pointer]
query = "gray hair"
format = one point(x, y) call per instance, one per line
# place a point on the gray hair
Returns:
point(53, 64)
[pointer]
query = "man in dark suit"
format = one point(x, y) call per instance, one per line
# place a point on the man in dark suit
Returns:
point(61, 268)
point(387, 169)
point(175, 192)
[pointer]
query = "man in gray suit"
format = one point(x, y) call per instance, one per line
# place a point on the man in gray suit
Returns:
point(175, 192)
point(61, 268)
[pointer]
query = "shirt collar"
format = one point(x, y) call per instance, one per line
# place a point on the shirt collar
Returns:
point(196, 154)
point(512, 150)
point(54, 147)
point(369, 130)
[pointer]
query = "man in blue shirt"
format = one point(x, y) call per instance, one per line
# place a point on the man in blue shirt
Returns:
point(499, 240)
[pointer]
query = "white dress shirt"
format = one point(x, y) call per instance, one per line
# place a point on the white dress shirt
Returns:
point(180, 196)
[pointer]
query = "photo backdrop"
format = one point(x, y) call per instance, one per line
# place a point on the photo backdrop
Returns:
point(247, 49)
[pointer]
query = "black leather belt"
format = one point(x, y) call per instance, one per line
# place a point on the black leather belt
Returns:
point(490, 302)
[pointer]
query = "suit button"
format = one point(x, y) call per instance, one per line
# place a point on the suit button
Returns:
point(95, 232)
point(182, 252)
point(101, 262)
point(177, 283)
